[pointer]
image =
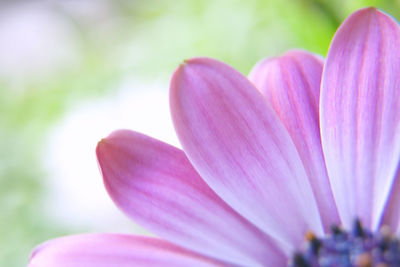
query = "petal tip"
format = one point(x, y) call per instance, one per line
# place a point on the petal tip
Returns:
point(369, 13)
point(112, 138)
point(184, 63)
point(100, 144)
point(102, 141)
point(197, 61)
point(188, 61)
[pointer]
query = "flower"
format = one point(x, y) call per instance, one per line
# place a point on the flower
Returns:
point(316, 144)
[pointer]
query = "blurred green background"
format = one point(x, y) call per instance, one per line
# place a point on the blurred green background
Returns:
point(68, 68)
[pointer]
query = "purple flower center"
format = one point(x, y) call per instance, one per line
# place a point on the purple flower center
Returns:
point(356, 248)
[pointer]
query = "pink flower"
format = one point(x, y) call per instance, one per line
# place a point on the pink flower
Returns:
point(259, 168)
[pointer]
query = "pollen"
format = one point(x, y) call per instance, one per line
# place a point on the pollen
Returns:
point(356, 248)
point(364, 260)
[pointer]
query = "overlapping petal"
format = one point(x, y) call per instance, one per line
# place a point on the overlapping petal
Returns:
point(241, 149)
point(360, 114)
point(291, 85)
point(253, 177)
point(155, 184)
point(391, 213)
point(110, 250)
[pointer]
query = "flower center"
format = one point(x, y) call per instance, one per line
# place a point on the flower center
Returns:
point(356, 248)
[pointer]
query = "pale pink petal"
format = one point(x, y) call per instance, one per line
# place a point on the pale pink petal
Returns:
point(114, 250)
point(360, 118)
point(155, 185)
point(238, 145)
point(291, 85)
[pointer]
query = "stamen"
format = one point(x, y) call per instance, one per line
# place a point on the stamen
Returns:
point(358, 230)
point(364, 260)
point(313, 242)
point(300, 261)
point(358, 248)
point(309, 235)
point(336, 230)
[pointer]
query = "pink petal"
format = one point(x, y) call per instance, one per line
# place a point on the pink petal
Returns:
point(391, 214)
point(155, 185)
point(238, 145)
point(360, 103)
point(114, 250)
point(291, 85)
